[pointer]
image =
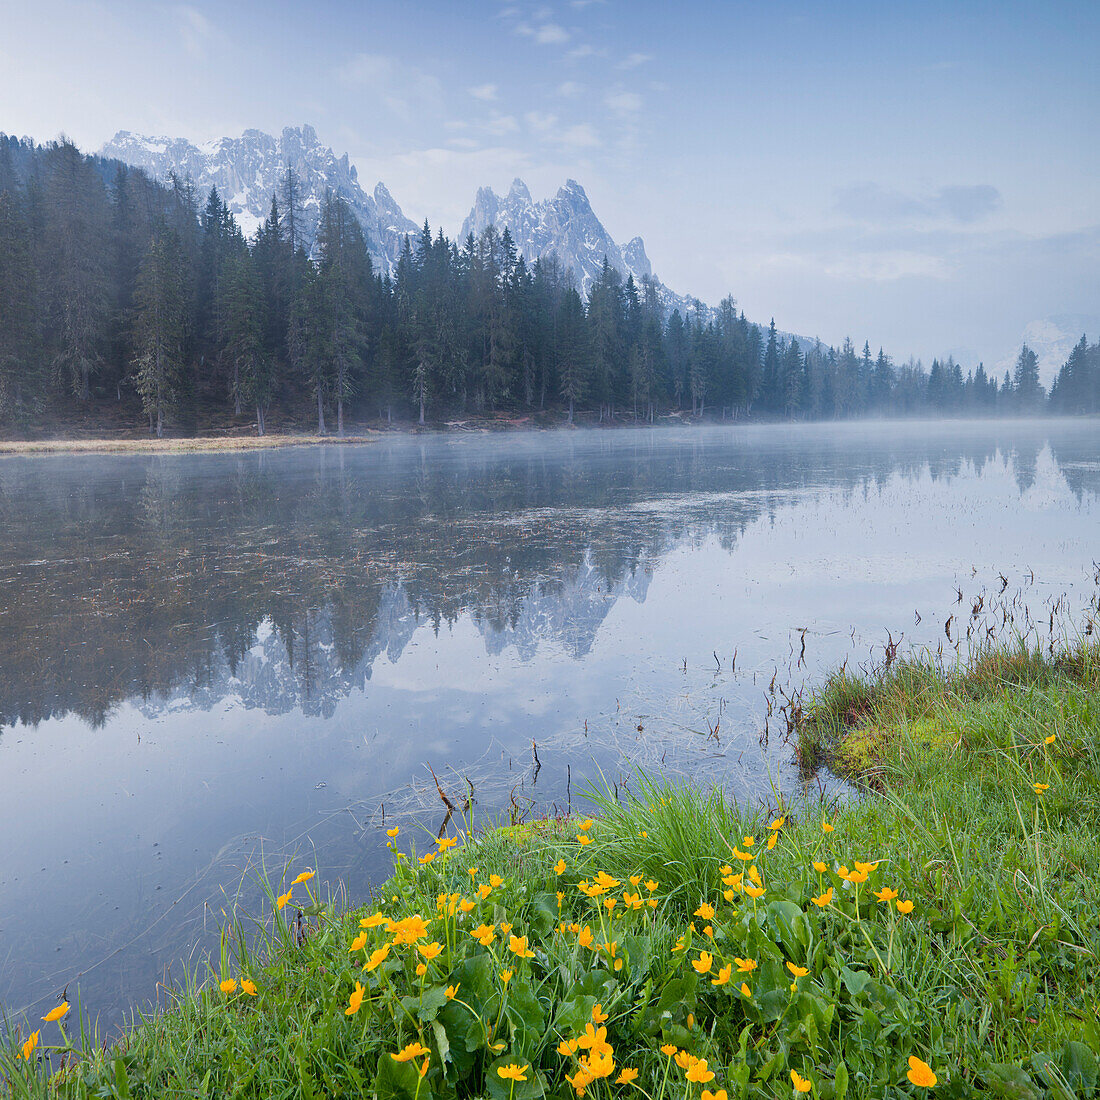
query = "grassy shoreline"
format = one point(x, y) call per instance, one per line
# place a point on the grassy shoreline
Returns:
point(202, 444)
point(949, 916)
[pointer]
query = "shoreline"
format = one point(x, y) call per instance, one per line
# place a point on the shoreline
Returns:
point(979, 826)
point(489, 426)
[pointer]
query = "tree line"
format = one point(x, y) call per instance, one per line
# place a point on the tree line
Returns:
point(119, 292)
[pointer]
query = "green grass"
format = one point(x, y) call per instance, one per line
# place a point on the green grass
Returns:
point(991, 978)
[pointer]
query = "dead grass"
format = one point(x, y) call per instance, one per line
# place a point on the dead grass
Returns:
point(106, 445)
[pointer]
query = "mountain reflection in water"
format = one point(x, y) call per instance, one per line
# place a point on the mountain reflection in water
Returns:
point(206, 655)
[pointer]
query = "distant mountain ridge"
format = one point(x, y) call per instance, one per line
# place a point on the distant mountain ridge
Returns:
point(248, 170)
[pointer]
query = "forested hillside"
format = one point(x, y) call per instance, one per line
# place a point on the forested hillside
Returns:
point(124, 302)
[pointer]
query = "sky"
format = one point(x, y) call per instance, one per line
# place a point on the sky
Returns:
point(925, 176)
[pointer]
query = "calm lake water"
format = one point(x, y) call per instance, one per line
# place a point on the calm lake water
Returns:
point(209, 660)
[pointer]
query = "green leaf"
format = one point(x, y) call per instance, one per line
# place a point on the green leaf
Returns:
point(395, 1080)
point(499, 1089)
point(1010, 1082)
point(434, 998)
point(840, 1081)
point(1079, 1067)
point(442, 1043)
point(855, 981)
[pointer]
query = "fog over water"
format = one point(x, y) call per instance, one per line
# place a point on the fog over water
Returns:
point(209, 658)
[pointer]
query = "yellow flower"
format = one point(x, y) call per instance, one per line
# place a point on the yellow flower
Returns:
point(424, 1067)
point(445, 842)
point(483, 891)
point(484, 934)
point(735, 880)
point(359, 942)
point(559, 867)
point(749, 841)
point(505, 928)
point(495, 881)
point(886, 894)
point(726, 870)
point(505, 976)
point(824, 899)
point(826, 826)
point(582, 839)
point(778, 823)
point(724, 975)
point(704, 962)
point(29, 1045)
point(699, 1074)
point(426, 858)
point(771, 841)
point(421, 970)
point(430, 950)
point(1040, 787)
point(705, 911)
point(920, 1073)
point(407, 1054)
point(466, 905)
point(685, 1059)
point(905, 907)
point(472, 871)
point(708, 931)
point(738, 854)
point(282, 899)
point(719, 1095)
point(373, 921)
point(584, 937)
point(585, 825)
point(56, 1014)
point(635, 880)
point(518, 946)
point(644, 835)
point(745, 991)
point(228, 986)
point(610, 903)
point(305, 876)
point(355, 1000)
point(820, 867)
point(626, 1076)
point(797, 971)
point(668, 1050)
point(513, 1072)
point(650, 885)
point(598, 1014)
point(800, 1083)
point(394, 831)
point(452, 991)
point(377, 957)
point(865, 867)
point(745, 966)
point(754, 874)
point(856, 876)
point(754, 891)
point(1050, 740)
point(407, 931)
point(567, 1047)
point(248, 986)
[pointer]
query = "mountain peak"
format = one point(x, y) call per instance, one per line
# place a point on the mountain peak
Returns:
point(249, 169)
point(519, 190)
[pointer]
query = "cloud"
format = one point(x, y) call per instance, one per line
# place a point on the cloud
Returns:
point(578, 53)
point(632, 61)
point(964, 204)
point(551, 34)
point(405, 90)
point(196, 31)
point(884, 267)
point(624, 103)
point(484, 92)
point(541, 122)
point(581, 136)
point(570, 89)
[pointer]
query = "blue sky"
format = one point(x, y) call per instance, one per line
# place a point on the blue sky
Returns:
point(922, 175)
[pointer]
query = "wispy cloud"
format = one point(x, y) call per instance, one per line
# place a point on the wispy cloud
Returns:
point(195, 29)
point(623, 103)
point(632, 61)
point(964, 204)
point(404, 89)
point(570, 89)
point(485, 92)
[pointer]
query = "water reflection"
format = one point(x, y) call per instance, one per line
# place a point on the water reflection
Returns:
point(206, 656)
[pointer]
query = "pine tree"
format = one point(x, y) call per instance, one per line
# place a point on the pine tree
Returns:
point(244, 325)
point(1026, 388)
point(160, 322)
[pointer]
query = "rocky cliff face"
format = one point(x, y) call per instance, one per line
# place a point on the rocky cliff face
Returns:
point(248, 170)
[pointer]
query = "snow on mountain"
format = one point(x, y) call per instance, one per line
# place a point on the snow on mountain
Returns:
point(1052, 339)
point(248, 170)
point(566, 226)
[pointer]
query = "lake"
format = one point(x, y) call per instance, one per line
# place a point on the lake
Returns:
point(209, 662)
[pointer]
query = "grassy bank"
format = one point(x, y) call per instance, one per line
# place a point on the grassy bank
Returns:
point(148, 445)
point(939, 935)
